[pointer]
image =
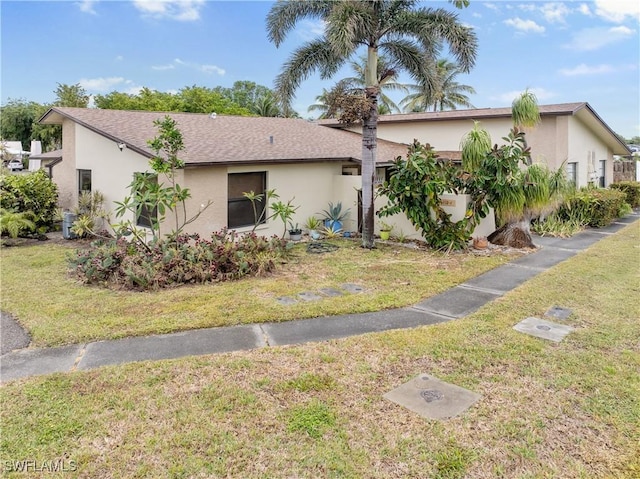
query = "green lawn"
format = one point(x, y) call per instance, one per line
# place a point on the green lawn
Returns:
point(56, 309)
point(548, 410)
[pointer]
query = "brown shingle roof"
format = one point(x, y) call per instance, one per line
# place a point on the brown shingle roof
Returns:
point(228, 139)
point(472, 114)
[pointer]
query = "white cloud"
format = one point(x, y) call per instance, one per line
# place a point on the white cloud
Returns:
point(584, 69)
point(86, 6)
point(180, 10)
point(119, 58)
point(101, 84)
point(163, 67)
point(541, 94)
point(617, 10)
point(555, 12)
point(585, 10)
point(209, 69)
point(591, 39)
point(310, 29)
point(524, 25)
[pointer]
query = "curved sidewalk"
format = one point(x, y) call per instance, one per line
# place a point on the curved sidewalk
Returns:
point(455, 303)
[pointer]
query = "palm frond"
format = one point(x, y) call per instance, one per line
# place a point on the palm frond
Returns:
point(283, 16)
point(524, 110)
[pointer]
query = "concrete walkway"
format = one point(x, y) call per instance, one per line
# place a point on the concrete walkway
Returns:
point(452, 304)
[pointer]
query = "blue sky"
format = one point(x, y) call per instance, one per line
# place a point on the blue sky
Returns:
point(568, 51)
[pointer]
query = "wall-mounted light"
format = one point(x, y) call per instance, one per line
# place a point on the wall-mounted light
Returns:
point(122, 146)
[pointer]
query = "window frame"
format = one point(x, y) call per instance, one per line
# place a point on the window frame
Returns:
point(81, 183)
point(245, 203)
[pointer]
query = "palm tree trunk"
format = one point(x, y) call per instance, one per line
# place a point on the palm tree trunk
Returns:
point(369, 153)
point(514, 234)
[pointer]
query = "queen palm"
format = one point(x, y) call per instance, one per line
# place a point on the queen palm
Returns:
point(408, 36)
point(445, 94)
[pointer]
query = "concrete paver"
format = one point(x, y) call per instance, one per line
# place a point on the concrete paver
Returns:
point(503, 278)
point(432, 398)
point(168, 346)
point(32, 362)
point(543, 329)
point(334, 327)
point(457, 302)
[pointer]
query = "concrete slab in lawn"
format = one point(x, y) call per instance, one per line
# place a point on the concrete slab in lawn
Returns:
point(353, 288)
point(457, 302)
point(558, 312)
point(286, 300)
point(32, 362)
point(309, 296)
point(543, 329)
point(331, 292)
point(176, 345)
point(432, 398)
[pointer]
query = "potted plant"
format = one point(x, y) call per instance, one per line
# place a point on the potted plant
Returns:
point(313, 225)
point(295, 233)
point(385, 230)
point(334, 216)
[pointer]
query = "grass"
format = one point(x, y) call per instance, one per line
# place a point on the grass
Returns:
point(547, 410)
point(56, 309)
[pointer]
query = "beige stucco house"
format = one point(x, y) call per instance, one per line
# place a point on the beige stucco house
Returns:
point(224, 156)
point(311, 163)
point(569, 133)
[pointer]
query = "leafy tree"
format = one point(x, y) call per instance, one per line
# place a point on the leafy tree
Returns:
point(32, 192)
point(149, 193)
point(408, 36)
point(444, 94)
point(71, 95)
point(17, 119)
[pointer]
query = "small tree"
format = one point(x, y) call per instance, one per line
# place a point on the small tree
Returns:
point(149, 195)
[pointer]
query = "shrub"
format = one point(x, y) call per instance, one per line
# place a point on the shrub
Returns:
point(187, 259)
point(30, 192)
point(631, 189)
point(596, 206)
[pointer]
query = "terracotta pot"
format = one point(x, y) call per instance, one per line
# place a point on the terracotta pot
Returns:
point(480, 243)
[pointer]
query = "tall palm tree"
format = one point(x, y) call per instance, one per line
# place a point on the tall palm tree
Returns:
point(387, 80)
point(448, 94)
point(408, 36)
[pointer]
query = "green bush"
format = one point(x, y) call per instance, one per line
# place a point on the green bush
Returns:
point(30, 192)
point(631, 189)
point(187, 259)
point(597, 207)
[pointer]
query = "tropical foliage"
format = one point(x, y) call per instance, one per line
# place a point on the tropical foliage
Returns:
point(186, 260)
point(32, 193)
point(407, 35)
point(149, 195)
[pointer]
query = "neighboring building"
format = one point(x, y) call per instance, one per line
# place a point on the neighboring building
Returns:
point(224, 156)
point(570, 133)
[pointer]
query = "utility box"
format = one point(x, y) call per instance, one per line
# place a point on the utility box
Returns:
point(67, 222)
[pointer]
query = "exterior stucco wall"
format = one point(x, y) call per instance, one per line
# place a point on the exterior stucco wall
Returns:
point(64, 173)
point(111, 169)
point(310, 186)
point(583, 146)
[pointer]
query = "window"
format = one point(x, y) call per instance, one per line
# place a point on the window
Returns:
point(572, 173)
point(239, 209)
point(601, 173)
point(84, 181)
point(147, 214)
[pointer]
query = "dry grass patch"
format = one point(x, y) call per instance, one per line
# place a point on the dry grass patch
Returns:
point(61, 311)
point(558, 410)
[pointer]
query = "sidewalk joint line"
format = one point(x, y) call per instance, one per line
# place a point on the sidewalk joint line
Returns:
point(81, 353)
